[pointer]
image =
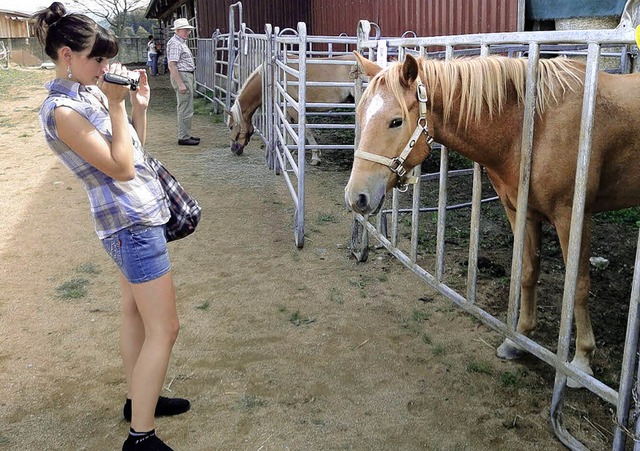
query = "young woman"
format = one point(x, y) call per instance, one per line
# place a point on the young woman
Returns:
point(85, 123)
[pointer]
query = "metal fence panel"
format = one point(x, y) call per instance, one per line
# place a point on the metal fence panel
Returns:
point(531, 43)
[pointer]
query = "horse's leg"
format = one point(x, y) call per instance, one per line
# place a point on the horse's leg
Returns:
point(585, 341)
point(527, 319)
point(315, 153)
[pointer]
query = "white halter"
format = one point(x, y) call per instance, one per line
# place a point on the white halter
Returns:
point(396, 165)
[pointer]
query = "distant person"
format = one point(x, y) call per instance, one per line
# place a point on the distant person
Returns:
point(85, 123)
point(152, 56)
point(182, 68)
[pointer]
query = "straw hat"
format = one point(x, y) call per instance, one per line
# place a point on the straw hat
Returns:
point(181, 24)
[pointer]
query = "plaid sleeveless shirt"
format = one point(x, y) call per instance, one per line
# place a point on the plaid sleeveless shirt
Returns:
point(115, 204)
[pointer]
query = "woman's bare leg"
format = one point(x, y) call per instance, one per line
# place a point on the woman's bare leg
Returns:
point(146, 343)
point(131, 333)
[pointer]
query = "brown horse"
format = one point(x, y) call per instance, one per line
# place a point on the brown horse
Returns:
point(475, 107)
point(249, 99)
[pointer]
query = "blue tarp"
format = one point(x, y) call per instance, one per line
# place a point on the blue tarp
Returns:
point(567, 9)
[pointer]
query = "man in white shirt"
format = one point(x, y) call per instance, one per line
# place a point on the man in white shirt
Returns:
point(182, 68)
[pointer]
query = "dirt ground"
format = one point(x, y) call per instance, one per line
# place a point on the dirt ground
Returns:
point(280, 348)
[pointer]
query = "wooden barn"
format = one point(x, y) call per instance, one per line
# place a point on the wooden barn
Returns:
point(14, 24)
point(333, 17)
point(17, 36)
point(425, 18)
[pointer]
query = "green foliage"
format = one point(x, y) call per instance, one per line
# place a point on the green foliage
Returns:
point(127, 32)
point(133, 19)
point(418, 315)
point(73, 289)
point(249, 402)
point(204, 306)
point(88, 268)
point(336, 296)
point(479, 367)
point(326, 217)
point(203, 107)
point(625, 216)
point(514, 379)
point(297, 319)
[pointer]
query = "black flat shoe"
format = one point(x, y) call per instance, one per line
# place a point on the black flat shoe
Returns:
point(149, 442)
point(196, 138)
point(166, 407)
point(188, 142)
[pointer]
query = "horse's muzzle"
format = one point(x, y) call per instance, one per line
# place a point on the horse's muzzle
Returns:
point(237, 148)
point(361, 204)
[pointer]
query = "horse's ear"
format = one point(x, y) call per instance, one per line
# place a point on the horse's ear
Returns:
point(409, 70)
point(368, 67)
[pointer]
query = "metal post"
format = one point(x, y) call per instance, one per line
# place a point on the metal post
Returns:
point(575, 242)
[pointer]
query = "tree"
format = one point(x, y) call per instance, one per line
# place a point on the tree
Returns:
point(117, 13)
point(143, 32)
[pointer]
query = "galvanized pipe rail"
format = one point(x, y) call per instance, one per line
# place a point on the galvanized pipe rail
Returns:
point(594, 39)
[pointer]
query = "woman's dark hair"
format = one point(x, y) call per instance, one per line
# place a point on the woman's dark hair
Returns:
point(55, 28)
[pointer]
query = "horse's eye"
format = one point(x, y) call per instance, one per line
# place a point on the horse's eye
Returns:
point(395, 123)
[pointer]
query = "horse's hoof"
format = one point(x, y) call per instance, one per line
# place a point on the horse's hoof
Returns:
point(581, 364)
point(508, 350)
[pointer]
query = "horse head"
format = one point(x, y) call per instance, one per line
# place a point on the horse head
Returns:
point(390, 144)
point(240, 130)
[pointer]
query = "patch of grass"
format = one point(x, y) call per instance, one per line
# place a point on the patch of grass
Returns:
point(326, 217)
point(479, 367)
point(249, 402)
point(15, 81)
point(318, 422)
point(297, 319)
point(513, 379)
point(203, 107)
point(358, 283)
point(7, 123)
point(418, 315)
point(426, 338)
point(282, 308)
point(336, 296)
point(361, 284)
point(625, 216)
point(73, 289)
point(439, 350)
point(88, 268)
point(204, 306)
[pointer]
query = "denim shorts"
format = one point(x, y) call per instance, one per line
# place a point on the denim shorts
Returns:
point(140, 252)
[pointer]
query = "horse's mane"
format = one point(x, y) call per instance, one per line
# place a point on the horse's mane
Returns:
point(235, 113)
point(478, 83)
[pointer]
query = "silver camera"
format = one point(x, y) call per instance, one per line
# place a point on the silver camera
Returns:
point(131, 79)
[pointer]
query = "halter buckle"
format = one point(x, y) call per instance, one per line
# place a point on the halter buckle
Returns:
point(422, 92)
point(396, 167)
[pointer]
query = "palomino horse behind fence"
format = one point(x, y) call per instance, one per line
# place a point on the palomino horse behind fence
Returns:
point(249, 99)
point(475, 107)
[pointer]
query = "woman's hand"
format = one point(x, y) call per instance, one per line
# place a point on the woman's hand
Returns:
point(140, 97)
point(115, 93)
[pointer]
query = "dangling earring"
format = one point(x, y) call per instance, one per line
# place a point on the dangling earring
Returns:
point(69, 74)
